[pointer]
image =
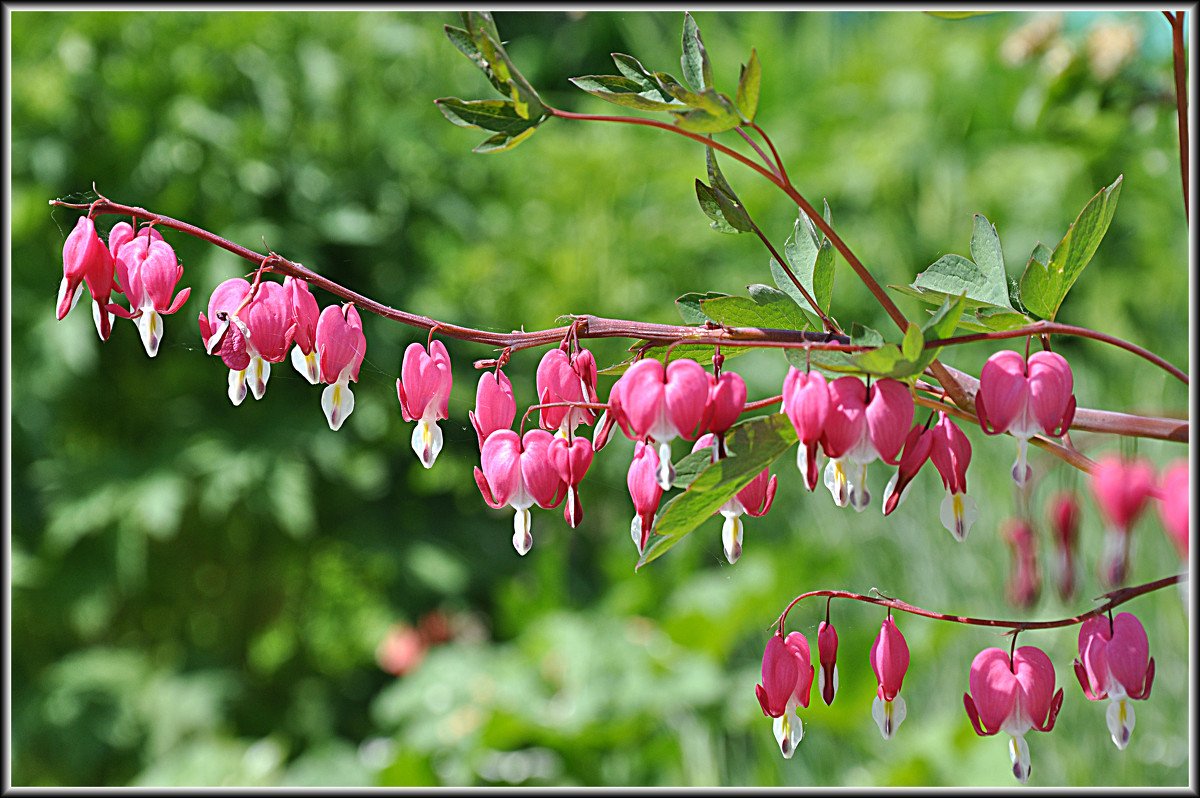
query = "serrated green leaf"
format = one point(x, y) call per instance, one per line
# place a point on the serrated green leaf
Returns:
point(956, 275)
point(697, 71)
point(989, 259)
point(689, 306)
point(752, 445)
point(712, 208)
point(1045, 285)
point(748, 85)
point(767, 308)
point(626, 92)
point(503, 141)
point(1000, 319)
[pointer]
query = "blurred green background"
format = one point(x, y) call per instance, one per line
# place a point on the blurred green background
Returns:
point(210, 595)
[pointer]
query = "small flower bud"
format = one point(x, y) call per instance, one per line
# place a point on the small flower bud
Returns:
point(827, 642)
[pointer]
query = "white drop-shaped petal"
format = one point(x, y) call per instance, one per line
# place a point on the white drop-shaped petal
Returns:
point(237, 386)
point(1018, 752)
point(1021, 472)
point(62, 292)
point(856, 480)
point(427, 441)
point(958, 512)
point(635, 530)
point(337, 400)
point(150, 326)
point(257, 374)
point(522, 539)
point(1120, 717)
point(835, 480)
point(731, 537)
point(308, 365)
point(888, 715)
point(666, 469)
point(789, 731)
point(96, 318)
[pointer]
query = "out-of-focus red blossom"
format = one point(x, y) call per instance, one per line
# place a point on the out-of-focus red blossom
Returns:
point(1025, 579)
point(1173, 508)
point(1121, 488)
point(403, 648)
point(1064, 521)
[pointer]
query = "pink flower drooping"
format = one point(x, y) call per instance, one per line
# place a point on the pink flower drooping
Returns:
point(341, 346)
point(306, 313)
point(565, 378)
point(645, 491)
point(806, 402)
point(889, 660)
point(1025, 399)
point(1173, 509)
point(950, 455)
point(1064, 523)
point(86, 259)
point(147, 272)
point(1024, 576)
point(495, 407)
point(916, 453)
point(649, 401)
point(863, 424)
point(1121, 489)
point(248, 335)
point(1013, 697)
point(787, 677)
point(571, 460)
point(754, 499)
point(1114, 662)
point(726, 401)
point(424, 393)
point(517, 472)
point(827, 643)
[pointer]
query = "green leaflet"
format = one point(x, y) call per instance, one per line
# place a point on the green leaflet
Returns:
point(748, 85)
point(627, 92)
point(752, 446)
point(1046, 282)
point(766, 307)
point(697, 70)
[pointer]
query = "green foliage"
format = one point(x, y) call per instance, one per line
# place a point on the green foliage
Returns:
point(810, 257)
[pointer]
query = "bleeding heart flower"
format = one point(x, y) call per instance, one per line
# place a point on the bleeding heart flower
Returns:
point(726, 401)
point(1121, 489)
point(1173, 509)
point(571, 460)
point(1025, 579)
point(1014, 698)
point(86, 259)
point(1025, 399)
point(1064, 521)
point(1114, 662)
point(306, 313)
point(563, 378)
point(827, 643)
point(649, 401)
point(341, 346)
point(147, 272)
point(495, 407)
point(863, 424)
point(950, 455)
point(806, 402)
point(645, 492)
point(248, 334)
point(424, 393)
point(754, 499)
point(916, 452)
point(517, 472)
point(889, 660)
point(787, 676)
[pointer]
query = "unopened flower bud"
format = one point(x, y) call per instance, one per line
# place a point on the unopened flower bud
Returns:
point(827, 642)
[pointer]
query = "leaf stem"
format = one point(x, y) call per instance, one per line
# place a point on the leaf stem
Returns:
point(1179, 58)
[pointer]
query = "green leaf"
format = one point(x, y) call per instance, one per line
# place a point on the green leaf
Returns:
point(626, 92)
point(697, 71)
point(836, 363)
point(748, 85)
point(941, 325)
point(728, 208)
point(989, 259)
point(956, 276)
point(690, 466)
point(766, 307)
point(733, 212)
point(503, 141)
point(1045, 284)
point(714, 173)
point(811, 260)
point(498, 116)
point(525, 99)
point(699, 352)
point(1000, 319)
point(894, 361)
point(689, 306)
point(466, 45)
point(698, 120)
point(752, 446)
point(711, 205)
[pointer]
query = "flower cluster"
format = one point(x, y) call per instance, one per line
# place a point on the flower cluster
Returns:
point(1010, 693)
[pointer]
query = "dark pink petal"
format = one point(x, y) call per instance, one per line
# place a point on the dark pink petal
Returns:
point(306, 312)
point(806, 403)
point(1128, 653)
point(780, 674)
point(501, 460)
point(889, 415)
point(495, 407)
point(726, 401)
point(685, 394)
point(889, 659)
point(847, 422)
point(1035, 677)
point(994, 688)
point(1050, 386)
point(1122, 488)
point(541, 480)
point(951, 454)
point(797, 645)
point(1004, 388)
